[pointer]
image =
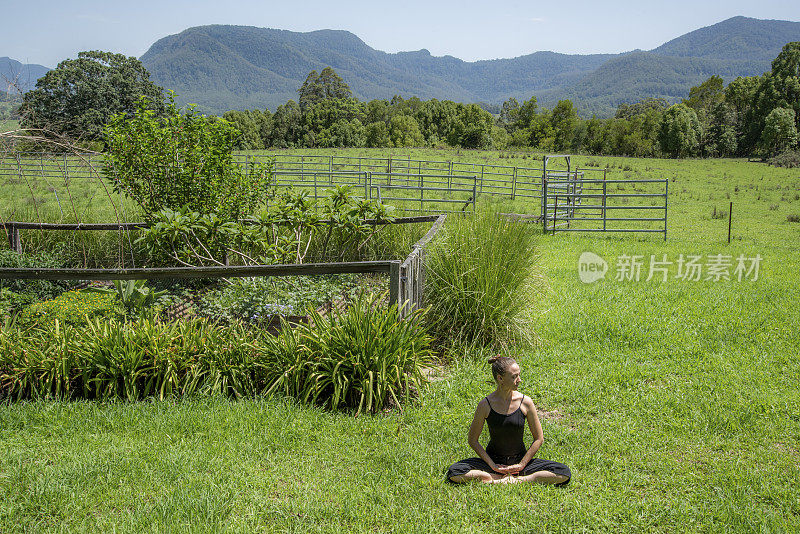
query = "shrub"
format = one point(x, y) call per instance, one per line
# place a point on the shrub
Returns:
point(70, 308)
point(134, 295)
point(480, 280)
point(259, 299)
point(126, 359)
point(362, 358)
point(793, 218)
point(789, 159)
point(37, 363)
point(180, 160)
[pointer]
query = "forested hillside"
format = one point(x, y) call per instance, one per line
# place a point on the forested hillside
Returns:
point(238, 67)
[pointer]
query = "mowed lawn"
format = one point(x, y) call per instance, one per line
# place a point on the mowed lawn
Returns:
point(674, 402)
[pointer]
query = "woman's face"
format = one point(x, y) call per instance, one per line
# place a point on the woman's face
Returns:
point(511, 378)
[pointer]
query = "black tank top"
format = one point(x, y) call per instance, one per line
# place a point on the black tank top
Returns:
point(505, 432)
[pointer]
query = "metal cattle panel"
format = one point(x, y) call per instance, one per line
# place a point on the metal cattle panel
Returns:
point(589, 205)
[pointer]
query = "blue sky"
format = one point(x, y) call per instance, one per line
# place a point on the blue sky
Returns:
point(45, 32)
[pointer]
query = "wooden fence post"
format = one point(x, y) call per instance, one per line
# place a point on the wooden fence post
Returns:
point(394, 282)
point(13, 237)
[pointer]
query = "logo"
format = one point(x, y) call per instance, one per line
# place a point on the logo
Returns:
point(591, 267)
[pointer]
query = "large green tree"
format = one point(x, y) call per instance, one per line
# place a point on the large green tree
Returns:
point(180, 160)
point(323, 86)
point(680, 131)
point(779, 132)
point(80, 95)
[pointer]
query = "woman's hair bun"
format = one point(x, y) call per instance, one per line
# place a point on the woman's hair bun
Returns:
point(500, 364)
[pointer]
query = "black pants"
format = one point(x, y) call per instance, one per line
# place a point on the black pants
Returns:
point(535, 465)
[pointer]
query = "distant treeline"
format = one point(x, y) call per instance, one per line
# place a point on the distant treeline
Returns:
point(755, 115)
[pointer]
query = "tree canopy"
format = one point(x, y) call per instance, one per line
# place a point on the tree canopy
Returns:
point(80, 95)
point(323, 86)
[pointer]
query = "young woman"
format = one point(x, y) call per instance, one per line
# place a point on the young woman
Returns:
point(506, 459)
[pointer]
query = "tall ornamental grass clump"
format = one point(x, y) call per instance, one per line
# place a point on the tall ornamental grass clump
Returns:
point(481, 279)
point(131, 360)
point(363, 358)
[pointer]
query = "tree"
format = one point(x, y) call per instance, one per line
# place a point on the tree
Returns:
point(787, 64)
point(323, 86)
point(706, 96)
point(287, 126)
point(404, 131)
point(180, 161)
point(472, 127)
point(509, 114)
point(255, 126)
point(564, 119)
point(786, 70)
point(680, 131)
point(779, 132)
point(80, 95)
point(377, 135)
point(643, 107)
point(704, 99)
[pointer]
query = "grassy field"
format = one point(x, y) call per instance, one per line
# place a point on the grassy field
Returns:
point(674, 402)
point(8, 125)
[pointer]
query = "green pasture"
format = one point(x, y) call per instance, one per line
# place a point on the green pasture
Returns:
point(8, 125)
point(674, 402)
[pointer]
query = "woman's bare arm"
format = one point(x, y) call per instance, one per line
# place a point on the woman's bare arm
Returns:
point(475, 429)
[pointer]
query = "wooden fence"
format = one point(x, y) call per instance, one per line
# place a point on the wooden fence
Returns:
point(12, 228)
point(406, 280)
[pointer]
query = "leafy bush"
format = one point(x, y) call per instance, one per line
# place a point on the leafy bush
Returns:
point(789, 159)
point(283, 232)
point(126, 359)
point(134, 295)
point(180, 160)
point(70, 308)
point(10, 301)
point(480, 280)
point(259, 299)
point(362, 358)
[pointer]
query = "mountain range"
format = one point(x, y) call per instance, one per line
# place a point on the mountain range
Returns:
point(16, 76)
point(242, 67)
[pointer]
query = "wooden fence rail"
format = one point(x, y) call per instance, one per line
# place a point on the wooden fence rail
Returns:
point(12, 228)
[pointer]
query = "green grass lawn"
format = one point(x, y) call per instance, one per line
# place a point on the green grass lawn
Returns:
point(675, 404)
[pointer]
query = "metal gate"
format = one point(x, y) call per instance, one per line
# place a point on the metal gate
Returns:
point(576, 204)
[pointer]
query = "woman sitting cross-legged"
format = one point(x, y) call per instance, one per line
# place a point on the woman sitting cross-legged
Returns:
point(506, 459)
